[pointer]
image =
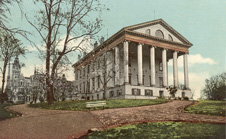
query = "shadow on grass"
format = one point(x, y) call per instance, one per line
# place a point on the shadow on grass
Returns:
point(162, 130)
point(4, 114)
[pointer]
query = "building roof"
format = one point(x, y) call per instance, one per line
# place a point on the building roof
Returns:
point(130, 30)
point(161, 22)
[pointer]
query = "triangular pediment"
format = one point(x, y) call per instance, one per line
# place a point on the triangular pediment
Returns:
point(159, 28)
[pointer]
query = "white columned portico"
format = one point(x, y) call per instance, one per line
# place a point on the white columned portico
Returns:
point(186, 81)
point(164, 67)
point(152, 57)
point(140, 64)
point(175, 69)
point(117, 65)
point(126, 61)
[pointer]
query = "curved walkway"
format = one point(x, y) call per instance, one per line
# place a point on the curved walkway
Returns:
point(172, 111)
point(54, 124)
point(46, 124)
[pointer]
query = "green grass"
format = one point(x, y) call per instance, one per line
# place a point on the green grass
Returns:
point(5, 114)
point(163, 130)
point(81, 105)
point(208, 107)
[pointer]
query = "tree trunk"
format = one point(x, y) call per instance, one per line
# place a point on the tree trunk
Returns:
point(3, 79)
point(49, 81)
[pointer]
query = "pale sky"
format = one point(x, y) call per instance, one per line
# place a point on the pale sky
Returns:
point(202, 22)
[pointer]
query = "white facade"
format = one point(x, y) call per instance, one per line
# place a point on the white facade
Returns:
point(133, 64)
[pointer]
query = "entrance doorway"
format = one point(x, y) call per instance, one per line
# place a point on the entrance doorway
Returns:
point(161, 94)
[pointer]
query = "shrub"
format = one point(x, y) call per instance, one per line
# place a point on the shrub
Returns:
point(185, 98)
point(161, 97)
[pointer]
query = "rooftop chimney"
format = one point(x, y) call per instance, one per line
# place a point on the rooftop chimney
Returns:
point(101, 40)
point(95, 44)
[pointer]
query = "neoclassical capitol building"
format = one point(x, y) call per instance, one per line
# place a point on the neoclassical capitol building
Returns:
point(133, 64)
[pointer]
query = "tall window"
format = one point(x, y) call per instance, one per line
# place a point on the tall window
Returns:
point(159, 34)
point(88, 86)
point(150, 80)
point(160, 66)
point(137, 80)
point(143, 79)
point(93, 83)
point(84, 87)
point(112, 94)
point(98, 64)
point(98, 81)
point(160, 81)
point(84, 72)
point(129, 60)
point(97, 96)
point(80, 88)
point(93, 66)
point(76, 88)
point(114, 77)
point(130, 78)
point(161, 93)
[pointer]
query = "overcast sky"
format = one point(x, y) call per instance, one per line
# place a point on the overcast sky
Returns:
point(202, 22)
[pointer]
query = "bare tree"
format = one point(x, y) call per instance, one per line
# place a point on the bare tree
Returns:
point(104, 70)
point(5, 8)
point(9, 47)
point(72, 19)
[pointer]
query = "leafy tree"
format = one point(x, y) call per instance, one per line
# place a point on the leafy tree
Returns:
point(172, 90)
point(215, 87)
point(9, 47)
point(73, 19)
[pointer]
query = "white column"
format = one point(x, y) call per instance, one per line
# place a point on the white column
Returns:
point(186, 81)
point(152, 59)
point(139, 61)
point(116, 65)
point(126, 61)
point(164, 66)
point(175, 69)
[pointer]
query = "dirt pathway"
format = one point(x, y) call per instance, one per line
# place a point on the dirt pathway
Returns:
point(46, 124)
point(171, 111)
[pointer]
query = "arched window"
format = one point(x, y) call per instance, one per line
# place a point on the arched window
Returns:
point(148, 32)
point(170, 38)
point(159, 34)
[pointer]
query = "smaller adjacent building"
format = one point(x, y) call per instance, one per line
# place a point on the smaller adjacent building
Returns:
point(22, 89)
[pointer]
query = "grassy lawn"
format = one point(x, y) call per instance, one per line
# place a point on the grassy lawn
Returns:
point(208, 107)
point(163, 130)
point(5, 114)
point(81, 105)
